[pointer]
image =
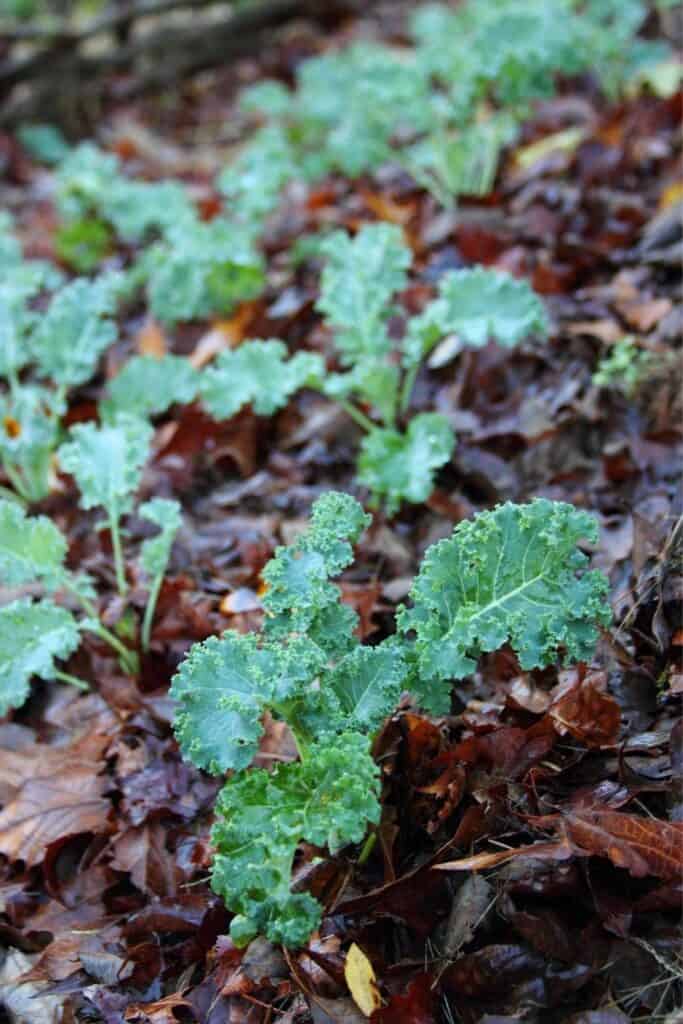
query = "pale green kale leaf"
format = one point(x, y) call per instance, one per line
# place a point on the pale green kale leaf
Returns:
point(155, 552)
point(477, 305)
point(30, 548)
point(368, 683)
point(396, 466)
point(147, 386)
point(107, 461)
point(257, 373)
point(75, 330)
point(359, 281)
point(32, 635)
point(223, 687)
point(299, 598)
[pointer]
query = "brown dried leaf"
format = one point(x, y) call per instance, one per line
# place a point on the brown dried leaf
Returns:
point(560, 850)
point(587, 713)
point(644, 846)
point(151, 340)
point(50, 808)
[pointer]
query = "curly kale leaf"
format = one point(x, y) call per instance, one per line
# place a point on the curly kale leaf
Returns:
point(262, 816)
point(74, 332)
point(225, 684)
point(358, 283)
point(30, 548)
point(395, 466)
point(512, 575)
point(32, 635)
point(477, 305)
point(299, 597)
point(107, 461)
point(368, 683)
point(147, 386)
point(257, 372)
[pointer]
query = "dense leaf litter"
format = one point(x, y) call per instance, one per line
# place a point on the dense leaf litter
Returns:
point(527, 863)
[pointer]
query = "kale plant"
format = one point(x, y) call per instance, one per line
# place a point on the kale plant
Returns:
point(189, 268)
point(360, 281)
point(42, 357)
point(107, 464)
point(445, 108)
point(512, 575)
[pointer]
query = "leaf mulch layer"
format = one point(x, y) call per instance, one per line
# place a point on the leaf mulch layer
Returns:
point(563, 789)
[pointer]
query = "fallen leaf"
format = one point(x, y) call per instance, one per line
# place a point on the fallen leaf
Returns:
point(644, 846)
point(361, 980)
point(50, 808)
point(588, 714)
point(151, 340)
point(22, 1002)
point(416, 1006)
point(223, 334)
point(560, 850)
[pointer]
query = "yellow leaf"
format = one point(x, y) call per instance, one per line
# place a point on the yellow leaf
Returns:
point(360, 978)
point(565, 141)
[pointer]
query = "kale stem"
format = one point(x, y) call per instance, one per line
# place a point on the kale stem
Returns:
point(408, 385)
point(9, 495)
point(118, 552)
point(361, 419)
point(128, 658)
point(66, 677)
point(18, 484)
point(149, 611)
point(368, 847)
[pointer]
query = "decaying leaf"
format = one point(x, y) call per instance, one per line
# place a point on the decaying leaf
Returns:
point(361, 979)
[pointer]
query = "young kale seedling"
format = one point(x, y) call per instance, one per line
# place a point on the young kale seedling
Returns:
point(359, 284)
point(513, 575)
point(54, 352)
point(107, 464)
point(35, 632)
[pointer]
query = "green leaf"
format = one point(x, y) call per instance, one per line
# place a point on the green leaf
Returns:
point(156, 551)
point(201, 269)
point(374, 382)
point(107, 461)
point(147, 386)
point(397, 466)
point(83, 244)
point(30, 548)
point(360, 279)
point(262, 816)
point(223, 687)
point(368, 683)
point(29, 432)
point(512, 575)
point(477, 305)
point(253, 183)
point(266, 97)
point(257, 372)
point(32, 635)
point(43, 142)
point(299, 598)
point(350, 105)
point(73, 333)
